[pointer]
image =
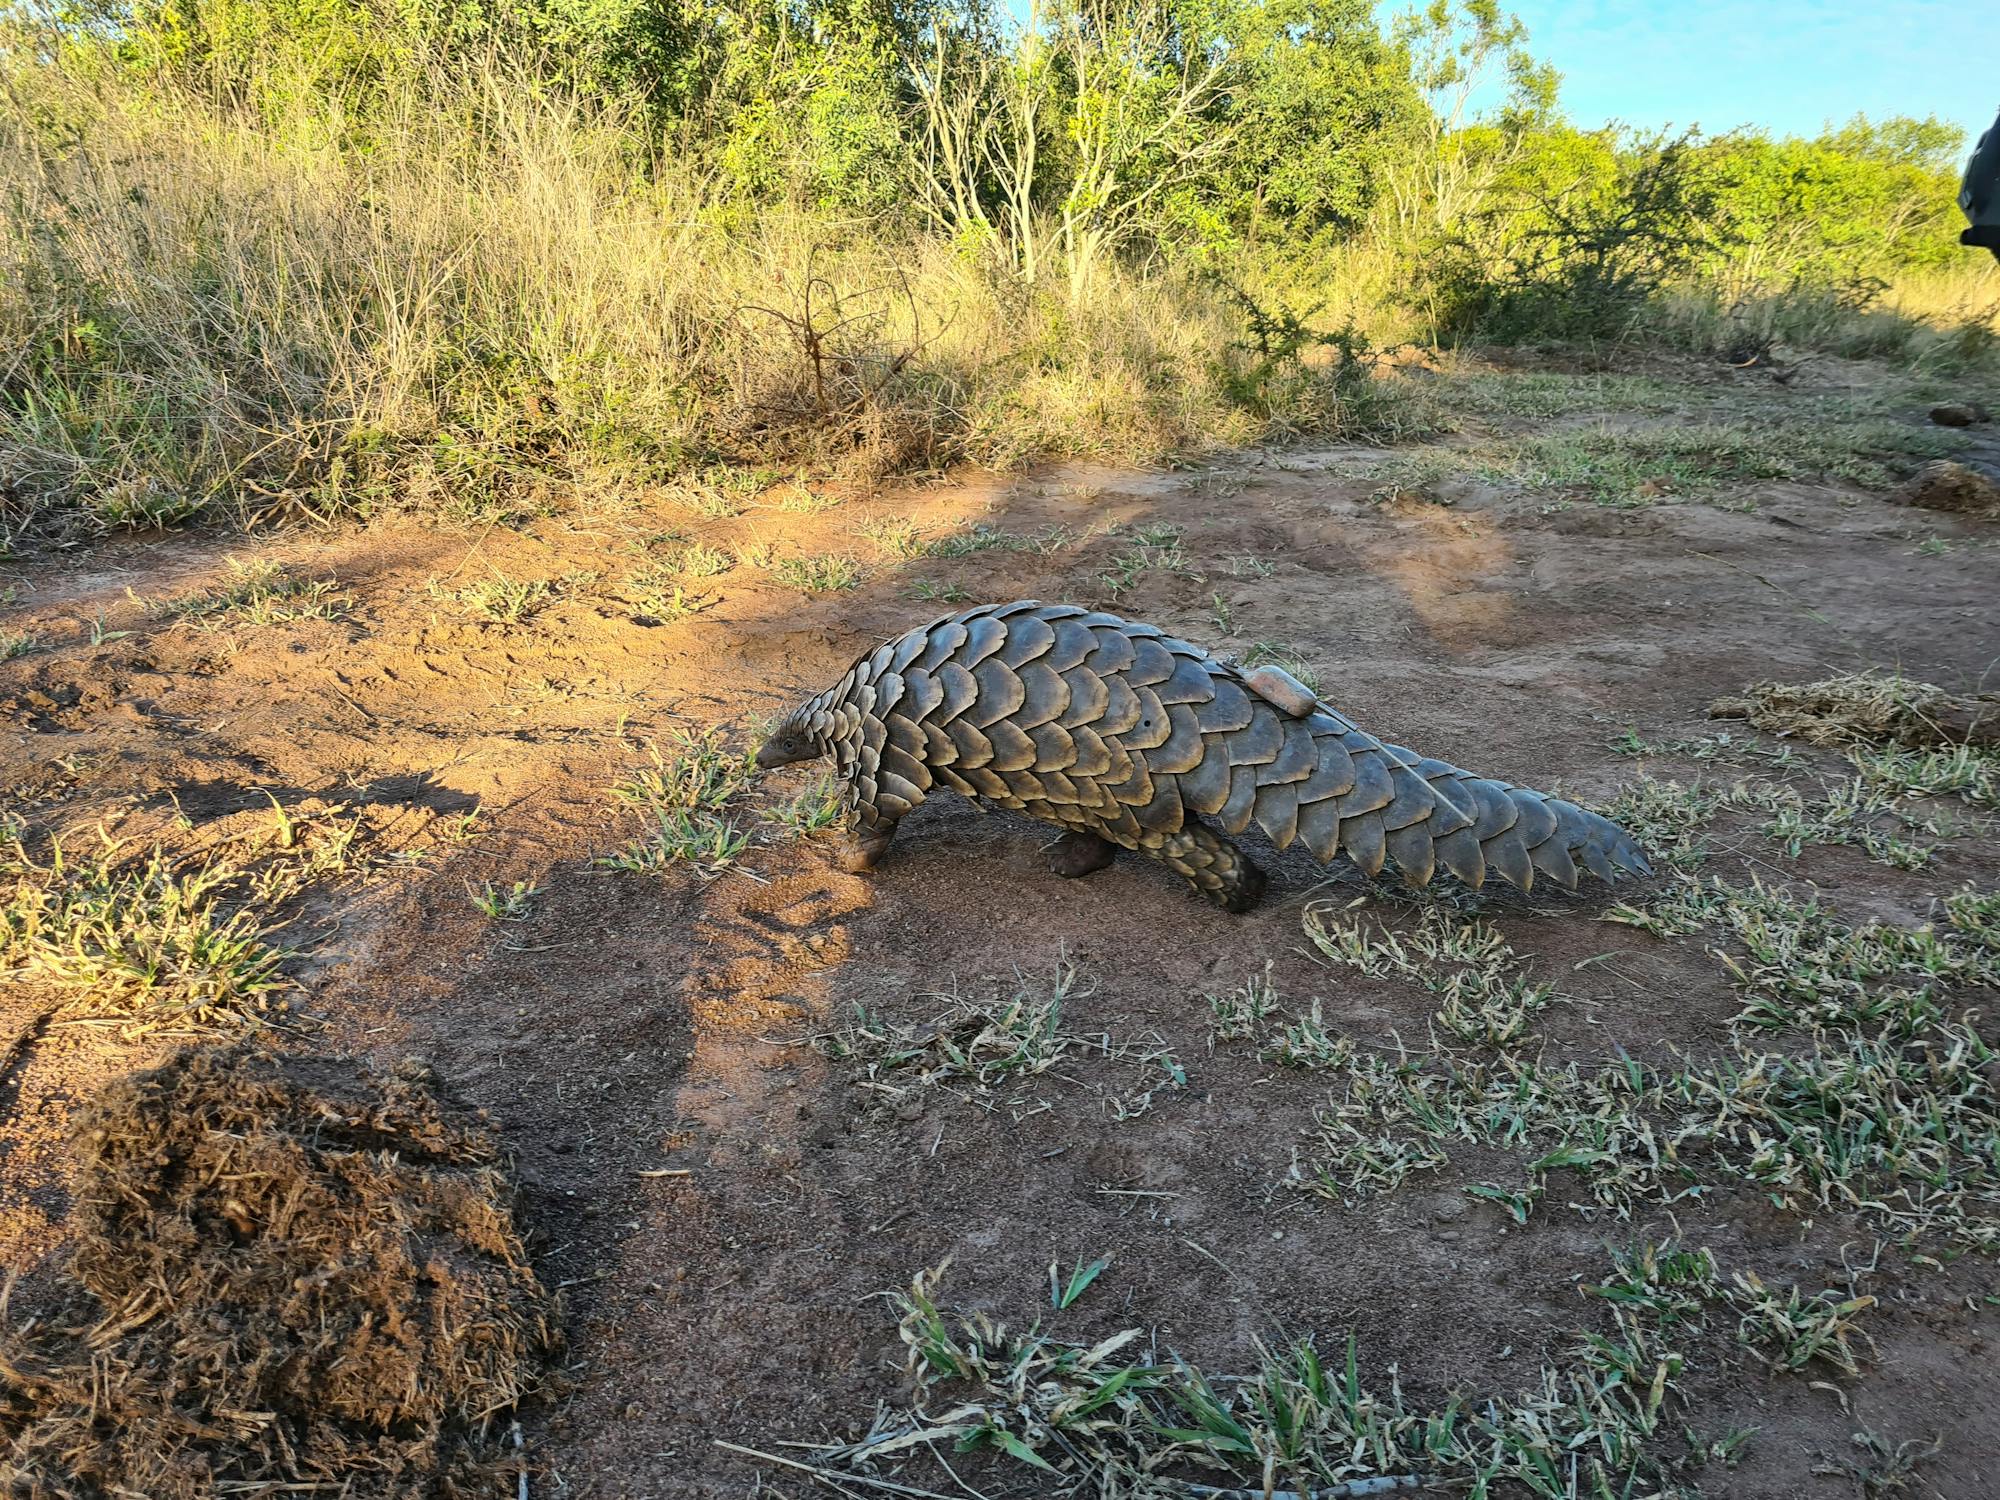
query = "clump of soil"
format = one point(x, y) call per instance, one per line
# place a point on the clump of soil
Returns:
point(1866, 708)
point(288, 1271)
point(1948, 486)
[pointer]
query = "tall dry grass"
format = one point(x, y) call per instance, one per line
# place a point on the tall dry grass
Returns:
point(1942, 323)
point(486, 294)
point(488, 291)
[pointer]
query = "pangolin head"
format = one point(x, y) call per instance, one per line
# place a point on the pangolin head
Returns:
point(803, 734)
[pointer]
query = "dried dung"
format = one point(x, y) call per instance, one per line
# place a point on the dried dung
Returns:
point(289, 1274)
point(1865, 708)
point(1947, 486)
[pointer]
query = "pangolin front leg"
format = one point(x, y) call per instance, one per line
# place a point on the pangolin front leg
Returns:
point(871, 827)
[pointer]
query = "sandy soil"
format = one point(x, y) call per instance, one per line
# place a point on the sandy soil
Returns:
point(635, 1025)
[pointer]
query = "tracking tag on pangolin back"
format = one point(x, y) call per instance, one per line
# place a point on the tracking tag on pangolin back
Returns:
point(1282, 691)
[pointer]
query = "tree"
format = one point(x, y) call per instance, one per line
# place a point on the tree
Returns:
point(1453, 52)
point(1319, 106)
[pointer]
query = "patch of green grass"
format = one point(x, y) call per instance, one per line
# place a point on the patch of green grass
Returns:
point(814, 809)
point(1843, 813)
point(801, 500)
point(701, 561)
point(1885, 1468)
point(1971, 772)
point(655, 592)
point(1858, 1123)
point(1707, 747)
point(1789, 1330)
point(1672, 1290)
point(139, 945)
point(1634, 466)
point(984, 538)
point(1064, 1292)
point(1669, 820)
point(515, 903)
point(1802, 967)
point(1889, 1110)
point(1239, 1014)
point(303, 851)
point(1975, 916)
point(930, 591)
point(1109, 1417)
point(1625, 465)
point(683, 799)
point(1152, 549)
point(510, 601)
point(706, 842)
point(697, 772)
point(17, 643)
point(717, 493)
point(1303, 1042)
point(978, 538)
point(895, 536)
point(823, 573)
point(259, 592)
point(1675, 822)
point(997, 1046)
point(1479, 981)
point(983, 1044)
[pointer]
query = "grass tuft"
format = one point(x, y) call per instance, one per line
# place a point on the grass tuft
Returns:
point(510, 601)
point(259, 592)
point(138, 945)
point(683, 799)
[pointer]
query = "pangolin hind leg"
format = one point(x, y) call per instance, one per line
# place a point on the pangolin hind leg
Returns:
point(1079, 853)
point(1210, 863)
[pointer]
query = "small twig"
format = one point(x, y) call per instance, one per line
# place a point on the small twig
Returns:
point(1381, 1484)
point(833, 1476)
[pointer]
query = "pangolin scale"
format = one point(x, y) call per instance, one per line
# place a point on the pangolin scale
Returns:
point(1122, 735)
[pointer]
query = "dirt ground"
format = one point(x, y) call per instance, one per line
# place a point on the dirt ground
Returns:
point(632, 1024)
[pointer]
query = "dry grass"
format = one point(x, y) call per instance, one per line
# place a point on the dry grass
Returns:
point(1865, 708)
point(289, 1275)
point(212, 311)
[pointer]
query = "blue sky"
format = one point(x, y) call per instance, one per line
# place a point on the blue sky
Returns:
point(1786, 65)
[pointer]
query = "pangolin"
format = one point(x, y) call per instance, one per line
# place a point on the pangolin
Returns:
point(1122, 735)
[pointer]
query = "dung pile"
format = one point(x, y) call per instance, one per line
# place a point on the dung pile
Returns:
point(290, 1275)
point(1865, 708)
point(1948, 486)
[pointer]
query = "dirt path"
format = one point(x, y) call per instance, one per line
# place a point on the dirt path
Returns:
point(631, 1026)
